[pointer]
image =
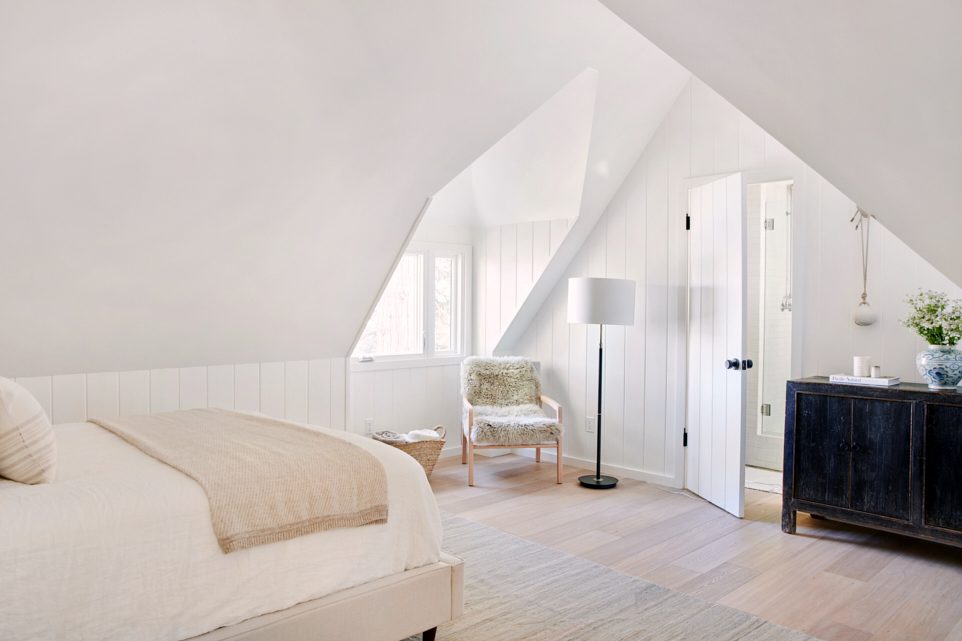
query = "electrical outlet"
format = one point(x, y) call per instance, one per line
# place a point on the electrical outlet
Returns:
point(369, 426)
point(591, 423)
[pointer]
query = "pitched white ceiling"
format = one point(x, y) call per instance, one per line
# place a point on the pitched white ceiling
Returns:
point(868, 93)
point(536, 172)
point(200, 183)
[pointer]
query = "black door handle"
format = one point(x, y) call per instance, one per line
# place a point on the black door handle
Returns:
point(747, 364)
point(732, 363)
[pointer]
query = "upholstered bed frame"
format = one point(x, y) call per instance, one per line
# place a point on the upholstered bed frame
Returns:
point(389, 609)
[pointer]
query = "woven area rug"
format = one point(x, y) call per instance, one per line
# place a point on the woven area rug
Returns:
point(515, 589)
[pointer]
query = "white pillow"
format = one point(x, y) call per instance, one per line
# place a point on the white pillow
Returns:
point(28, 448)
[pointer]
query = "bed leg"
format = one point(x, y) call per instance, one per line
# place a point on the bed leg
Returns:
point(464, 448)
point(430, 635)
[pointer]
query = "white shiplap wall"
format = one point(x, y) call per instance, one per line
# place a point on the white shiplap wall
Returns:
point(508, 260)
point(642, 237)
point(304, 391)
point(403, 398)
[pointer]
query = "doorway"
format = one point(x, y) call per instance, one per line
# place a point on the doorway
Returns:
point(739, 335)
point(768, 207)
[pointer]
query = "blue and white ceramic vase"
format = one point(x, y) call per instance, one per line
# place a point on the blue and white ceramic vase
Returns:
point(940, 366)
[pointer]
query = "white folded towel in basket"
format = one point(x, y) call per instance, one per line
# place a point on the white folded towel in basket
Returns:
point(422, 435)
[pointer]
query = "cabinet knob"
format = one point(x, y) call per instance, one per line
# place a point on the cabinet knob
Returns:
point(845, 447)
point(747, 364)
point(732, 363)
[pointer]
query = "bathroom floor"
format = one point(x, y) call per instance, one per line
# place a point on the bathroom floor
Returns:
point(757, 478)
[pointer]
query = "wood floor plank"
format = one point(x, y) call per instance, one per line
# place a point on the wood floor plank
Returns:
point(833, 581)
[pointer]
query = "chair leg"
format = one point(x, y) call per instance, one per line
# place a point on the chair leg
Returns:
point(464, 448)
point(537, 455)
point(561, 465)
point(470, 463)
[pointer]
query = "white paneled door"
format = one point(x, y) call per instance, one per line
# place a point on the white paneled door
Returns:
point(715, 456)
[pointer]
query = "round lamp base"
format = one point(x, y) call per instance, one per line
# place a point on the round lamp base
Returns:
point(598, 482)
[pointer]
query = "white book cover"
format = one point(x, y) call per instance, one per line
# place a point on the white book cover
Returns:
point(882, 381)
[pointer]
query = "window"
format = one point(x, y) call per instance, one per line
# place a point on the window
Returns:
point(423, 309)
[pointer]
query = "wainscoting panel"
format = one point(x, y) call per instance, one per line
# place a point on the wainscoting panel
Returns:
point(103, 394)
point(508, 261)
point(304, 391)
point(134, 393)
point(406, 398)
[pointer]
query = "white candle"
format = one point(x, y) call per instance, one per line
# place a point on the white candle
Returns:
point(862, 366)
point(876, 371)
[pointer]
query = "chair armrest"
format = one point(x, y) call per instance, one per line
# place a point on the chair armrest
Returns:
point(545, 400)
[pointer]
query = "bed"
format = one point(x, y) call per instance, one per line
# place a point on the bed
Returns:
point(120, 546)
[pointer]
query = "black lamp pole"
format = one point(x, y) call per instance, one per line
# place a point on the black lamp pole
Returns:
point(599, 482)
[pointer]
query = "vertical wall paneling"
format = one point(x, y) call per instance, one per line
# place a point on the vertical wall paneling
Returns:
point(524, 262)
point(103, 394)
point(220, 386)
point(40, 387)
point(540, 245)
point(69, 395)
point(305, 391)
point(319, 393)
point(636, 260)
point(559, 229)
point(247, 387)
point(384, 400)
point(492, 308)
point(272, 389)
point(164, 390)
point(296, 390)
point(508, 261)
point(340, 393)
point(509, 266)
point(656, 305)
point(193, 388)
point(134, 392)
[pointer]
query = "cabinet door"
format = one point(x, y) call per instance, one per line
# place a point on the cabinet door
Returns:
point(943, 467)
point(882, 458)
point(822, 449)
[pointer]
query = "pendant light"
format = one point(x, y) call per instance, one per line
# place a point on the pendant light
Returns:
point(863, 315)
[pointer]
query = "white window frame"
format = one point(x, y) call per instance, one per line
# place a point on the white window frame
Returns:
point(429, 357)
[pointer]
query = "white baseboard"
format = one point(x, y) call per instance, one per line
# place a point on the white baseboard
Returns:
point(615, 470)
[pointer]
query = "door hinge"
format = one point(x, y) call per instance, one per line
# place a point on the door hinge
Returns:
point(769, 224)
point(766, 409)
point(684, 438)
point(687, 222)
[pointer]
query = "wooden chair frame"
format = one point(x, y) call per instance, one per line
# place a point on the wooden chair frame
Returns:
point(468, 446)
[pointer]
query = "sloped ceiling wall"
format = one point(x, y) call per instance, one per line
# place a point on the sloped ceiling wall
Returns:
point(200, 183)
point(866, 92)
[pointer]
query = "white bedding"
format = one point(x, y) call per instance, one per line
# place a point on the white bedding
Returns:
point(120, 546)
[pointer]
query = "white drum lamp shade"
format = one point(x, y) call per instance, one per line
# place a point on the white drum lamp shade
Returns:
point(601, 301)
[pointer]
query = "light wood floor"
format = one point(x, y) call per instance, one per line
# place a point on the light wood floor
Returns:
point(833, 581)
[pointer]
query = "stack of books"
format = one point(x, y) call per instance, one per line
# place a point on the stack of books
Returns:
point(881, 381)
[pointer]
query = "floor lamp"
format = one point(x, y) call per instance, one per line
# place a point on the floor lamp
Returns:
point(600, 301)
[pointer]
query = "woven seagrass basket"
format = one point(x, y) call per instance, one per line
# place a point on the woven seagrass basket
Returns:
point(424, 452)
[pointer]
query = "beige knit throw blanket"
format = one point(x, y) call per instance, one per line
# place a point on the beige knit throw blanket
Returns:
point(266, 480)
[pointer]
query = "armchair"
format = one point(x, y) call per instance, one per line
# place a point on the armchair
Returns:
point(503, 408)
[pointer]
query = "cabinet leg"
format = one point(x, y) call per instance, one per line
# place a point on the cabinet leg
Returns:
point(789, 520)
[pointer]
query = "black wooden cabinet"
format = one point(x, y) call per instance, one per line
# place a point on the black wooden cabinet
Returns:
point(888, 458)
